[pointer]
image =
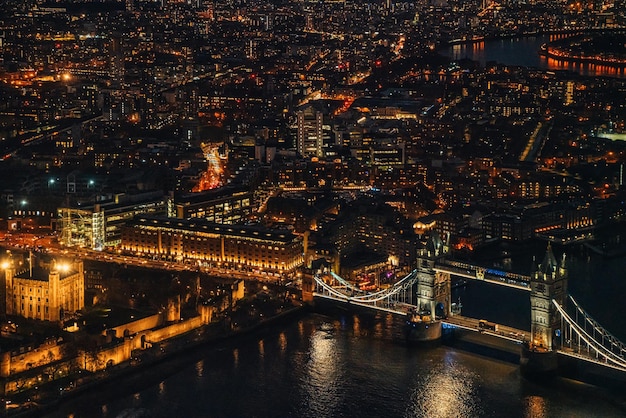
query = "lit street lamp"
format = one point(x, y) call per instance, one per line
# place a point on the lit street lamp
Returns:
point(23, 206)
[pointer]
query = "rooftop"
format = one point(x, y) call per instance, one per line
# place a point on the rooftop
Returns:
point(197, 225)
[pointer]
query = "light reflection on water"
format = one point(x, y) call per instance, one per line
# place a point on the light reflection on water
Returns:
point(356, 322)
point(535, 407)
point(200, 369)
point(137, 399)
point(448, 390)
point(525, 52)
point(235, 358)
point(261, 349)
point(349, 366)
point(323, 377)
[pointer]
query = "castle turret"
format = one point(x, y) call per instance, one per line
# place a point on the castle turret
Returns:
point(6, 303)
point(54, 279)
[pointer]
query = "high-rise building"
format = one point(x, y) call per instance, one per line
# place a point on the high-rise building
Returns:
point(569, 93)
point(252, 49)
point(310, 132)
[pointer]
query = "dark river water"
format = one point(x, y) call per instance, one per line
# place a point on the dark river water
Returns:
point(524, 52)
point(348, 365)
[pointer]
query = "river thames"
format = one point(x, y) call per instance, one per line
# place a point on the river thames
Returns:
point(349, 365)
point(525, 52)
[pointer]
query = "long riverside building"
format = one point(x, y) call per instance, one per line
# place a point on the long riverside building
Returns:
point(244, 248)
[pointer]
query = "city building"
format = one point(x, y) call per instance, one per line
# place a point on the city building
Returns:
point(97, 226)
point(366, 226)
point(310, 140)
point(226, 205)
point(243, 248)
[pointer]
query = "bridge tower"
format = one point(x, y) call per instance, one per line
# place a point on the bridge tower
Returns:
point(433, 288)
point(548, 282)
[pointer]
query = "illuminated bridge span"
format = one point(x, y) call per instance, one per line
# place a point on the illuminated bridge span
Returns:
point(582, 337)
point(559, 325)
point(490, 275)
point(395, 299)
point(579, 336)
point(398, 299)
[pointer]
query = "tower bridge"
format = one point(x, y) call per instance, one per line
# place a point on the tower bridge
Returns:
point(560, 327)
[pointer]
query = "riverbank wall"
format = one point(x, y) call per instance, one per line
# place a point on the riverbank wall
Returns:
point(167, 356)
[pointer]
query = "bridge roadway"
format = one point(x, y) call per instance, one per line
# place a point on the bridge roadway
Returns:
point(458, 321)
point(504, 331)
point(578, 352)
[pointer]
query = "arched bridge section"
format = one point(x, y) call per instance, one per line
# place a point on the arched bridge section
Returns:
point(395, 299)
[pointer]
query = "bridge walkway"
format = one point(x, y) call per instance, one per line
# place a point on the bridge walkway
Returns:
point(503, 331)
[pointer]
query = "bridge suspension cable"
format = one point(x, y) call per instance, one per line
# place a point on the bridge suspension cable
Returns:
point(371, 298)
point(381, 294)
point(346, 283)
point(599, 329)
point(615, 360)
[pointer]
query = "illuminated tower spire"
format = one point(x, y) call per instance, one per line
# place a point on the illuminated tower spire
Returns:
point(548, 282)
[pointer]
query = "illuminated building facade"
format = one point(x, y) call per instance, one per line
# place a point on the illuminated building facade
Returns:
point(244, 248)
point(310, 140)
point(226, 205)
point(98, 226)
point(46, 291)
point(388, 155)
